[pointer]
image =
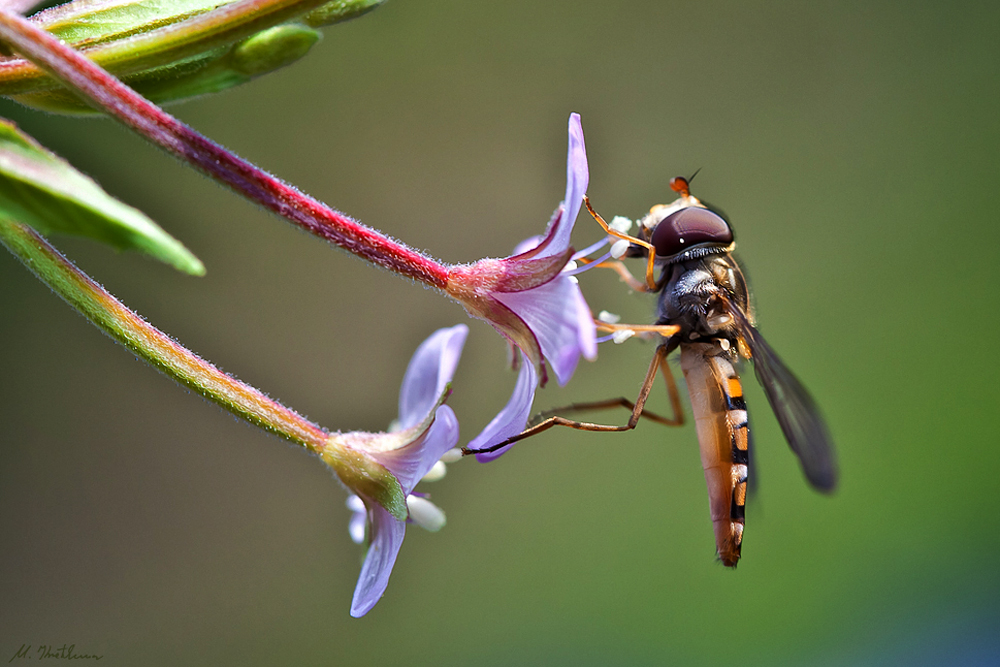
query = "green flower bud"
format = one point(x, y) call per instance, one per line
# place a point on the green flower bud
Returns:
point(339, 10)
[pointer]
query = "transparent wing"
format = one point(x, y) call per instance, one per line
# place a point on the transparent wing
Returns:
point(797, 413)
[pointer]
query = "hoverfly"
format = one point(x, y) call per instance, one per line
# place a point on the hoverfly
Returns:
point(704, 310)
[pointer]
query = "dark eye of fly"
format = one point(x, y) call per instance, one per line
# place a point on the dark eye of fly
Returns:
point(689, 227)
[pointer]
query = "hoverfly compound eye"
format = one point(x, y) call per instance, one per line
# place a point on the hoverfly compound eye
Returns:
point(688, 228)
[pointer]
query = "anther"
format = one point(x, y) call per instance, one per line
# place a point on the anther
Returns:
point(622, 335)
point(619, 248)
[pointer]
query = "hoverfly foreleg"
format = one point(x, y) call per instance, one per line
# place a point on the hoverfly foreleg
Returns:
point(651, 284)
point(624, 274)
point(665, 330)
point(638, 411)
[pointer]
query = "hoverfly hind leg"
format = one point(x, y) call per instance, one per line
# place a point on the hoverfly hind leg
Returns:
point(638, 410)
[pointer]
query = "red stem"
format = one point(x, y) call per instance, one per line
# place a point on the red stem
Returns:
point(107, 93)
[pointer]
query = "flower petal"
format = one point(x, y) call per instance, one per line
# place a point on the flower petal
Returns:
point(577, 178)
point(431, 369)
point(513, 418)
point(387, 537)
point(558, 315)
point(412, 461)
point(527, 244)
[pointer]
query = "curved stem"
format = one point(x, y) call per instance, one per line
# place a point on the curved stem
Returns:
point(156, 347)
point(107, 93)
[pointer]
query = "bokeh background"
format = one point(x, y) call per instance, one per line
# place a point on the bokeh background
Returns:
point(854, 146)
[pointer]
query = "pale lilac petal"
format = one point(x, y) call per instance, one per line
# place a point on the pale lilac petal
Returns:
point(577, 177)
point(513, 418)
point(431, 369)
point(527, 244)
point(408, 464)
point(387, 537)
point(558, 315)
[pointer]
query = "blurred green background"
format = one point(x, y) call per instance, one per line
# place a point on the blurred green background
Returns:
point(854, 147)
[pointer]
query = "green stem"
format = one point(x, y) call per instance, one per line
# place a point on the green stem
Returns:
point(148, 342)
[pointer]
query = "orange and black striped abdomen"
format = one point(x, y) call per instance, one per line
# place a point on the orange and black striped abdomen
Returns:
point(720, 415)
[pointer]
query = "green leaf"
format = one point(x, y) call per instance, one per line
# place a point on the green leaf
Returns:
point(44, 191)
point(87, 22)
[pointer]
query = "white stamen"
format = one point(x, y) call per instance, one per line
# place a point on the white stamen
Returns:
point(573, 279)
point(425, 514)
point(621, 224)
point(620, 337)
point(437, 471)
point(357, 530)
point(358, 524)
point(609, 318)
point(355, 504)
point(452, 455)
point(724, 344)
point(618, 248)
point(394, 426)
point(570, 265)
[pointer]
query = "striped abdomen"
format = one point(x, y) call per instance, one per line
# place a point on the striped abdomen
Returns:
point(720, 414)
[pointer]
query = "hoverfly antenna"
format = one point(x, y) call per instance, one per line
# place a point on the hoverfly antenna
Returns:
point(679, 184)
point(691, 177)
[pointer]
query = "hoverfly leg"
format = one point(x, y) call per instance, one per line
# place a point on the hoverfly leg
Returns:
point(664, 330)
point(637, 407)
point(626, 276)
point(651, 284)
point(620, 402)
point(675, 396)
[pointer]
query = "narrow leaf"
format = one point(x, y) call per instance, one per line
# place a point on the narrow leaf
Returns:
point(44, 191)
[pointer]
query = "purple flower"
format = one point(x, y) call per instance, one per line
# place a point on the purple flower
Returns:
point(527, 297)
point(383, 468)
point(534, 301)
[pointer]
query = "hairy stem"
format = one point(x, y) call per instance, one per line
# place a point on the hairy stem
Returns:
point(156, 347)
point(107, 93)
